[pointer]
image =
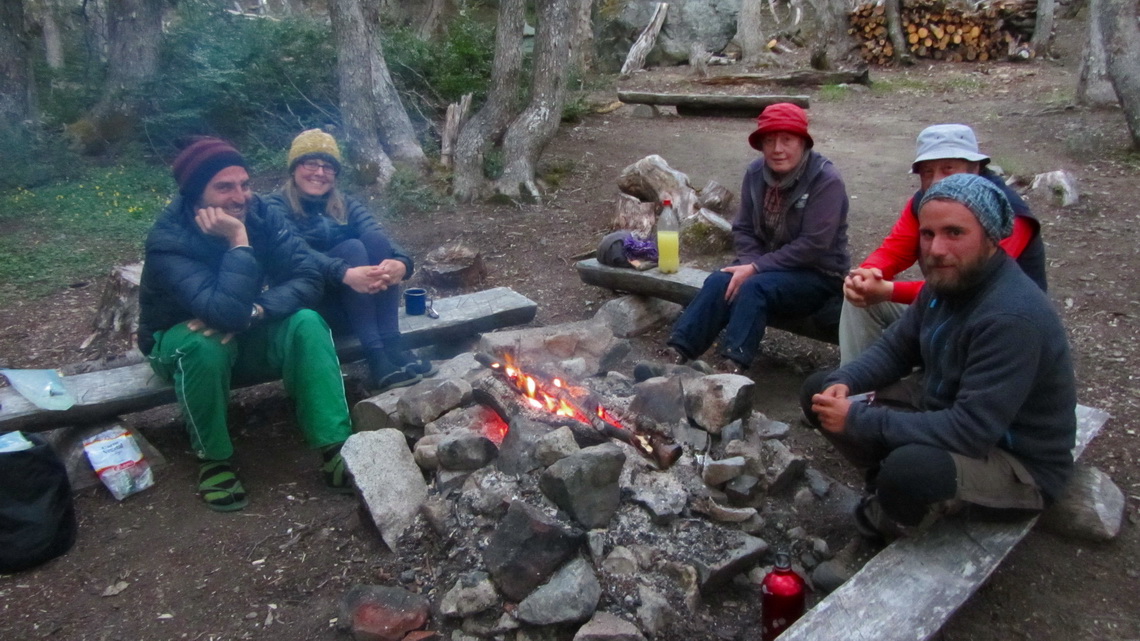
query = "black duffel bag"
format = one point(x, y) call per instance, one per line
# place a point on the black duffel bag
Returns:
point(37, 516)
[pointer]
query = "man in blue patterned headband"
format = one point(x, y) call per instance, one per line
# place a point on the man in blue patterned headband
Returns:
point(991, 417)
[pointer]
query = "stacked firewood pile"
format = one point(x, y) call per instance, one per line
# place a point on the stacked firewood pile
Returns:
point(944, 31)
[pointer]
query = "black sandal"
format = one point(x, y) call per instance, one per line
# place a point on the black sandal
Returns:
point(393, 380)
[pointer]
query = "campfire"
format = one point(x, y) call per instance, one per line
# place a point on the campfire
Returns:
point(552, 395)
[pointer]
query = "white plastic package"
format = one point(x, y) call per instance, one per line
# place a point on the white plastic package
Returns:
point(119, 462)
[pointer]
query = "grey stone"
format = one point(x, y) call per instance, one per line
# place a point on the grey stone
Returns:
point(737, 556)
point(596, 542)
point(525, 548)
point(387, 477)
point(430, 399)
point(517, 453)
point(621, 560)
point(765, 428)
point(472, 593)
point(819, 484)
point(803, 498)
point(448, 480)
point(463, 366)
point(829, 575)
point(654, 611)
point(694, 437)
point(742, 488)
point(533, 347)
point(607, 627)
point(586, 484)
point(820, 548)
point(555, 446)
point(687, 579)
point(425, 452)
point(470, 420)
point(570, 596)
point(782, 467)
point(1091, 509)
point(710, 22)
point(734, 431)
point(575, 368)
point(717, 400)
point(465, 451)
point(437, 511)
point(378, 412)
point(717, 473)
point(488, 491)
point(659, 398)
point(662, 494)
point(721, 513)
point(751, 453)
point(646, 111)
point(631, 316)
point(753, 525)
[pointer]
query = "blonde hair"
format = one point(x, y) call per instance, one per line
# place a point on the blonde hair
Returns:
point(334, 202)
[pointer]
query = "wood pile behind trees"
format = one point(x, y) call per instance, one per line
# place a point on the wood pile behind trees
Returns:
point(945, 31)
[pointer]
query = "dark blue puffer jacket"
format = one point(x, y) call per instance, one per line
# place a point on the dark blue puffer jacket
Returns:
point(189, 274)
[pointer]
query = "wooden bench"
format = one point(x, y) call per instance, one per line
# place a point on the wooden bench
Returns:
point(682, 287)
point(908, 591)
point(103, 395)
point(711, 104)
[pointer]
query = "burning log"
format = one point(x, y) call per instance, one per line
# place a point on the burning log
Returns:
point(530, 392)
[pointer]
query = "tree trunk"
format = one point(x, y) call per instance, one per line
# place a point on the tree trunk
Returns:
point(1094, 88)
point(486, 126)
point(831, 42)
point(134, 31)
point(529, 133)
point(749, 33)
point(396, 131)
point(635, 60)
point(1043, 28)
point(895, 30)
point(355, 47)
point(17, 85)
point(583, 46)
point(1117, 19)
point(46, 14)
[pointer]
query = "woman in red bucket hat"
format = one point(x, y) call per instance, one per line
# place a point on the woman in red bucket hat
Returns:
point(790, 237)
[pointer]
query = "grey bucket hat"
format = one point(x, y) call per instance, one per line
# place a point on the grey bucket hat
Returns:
point(938, 142)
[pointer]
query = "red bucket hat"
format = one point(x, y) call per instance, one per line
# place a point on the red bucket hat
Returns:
point(782, 116)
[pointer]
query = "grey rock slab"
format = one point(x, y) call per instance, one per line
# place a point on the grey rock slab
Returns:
point(742, 489)
point(472, 419)
point(533, 347)
point(585, 484)
point(608, 627)
point(717, 473)
point(472, 593)
point(630, 316)
point(570, 596)
point(426, 452)
point(525, 548)
point(621, 560)
point(378, 412)
point(734, 431)
point(661, 494)
point(465, 451)
point(829, 575)
point(654, 611)
point(389, 482)
point(489, 491)
point(432, 398)
point(721, 513)
point(765, 428)
point(818, 482)
point(518, 451)
point(717, 400)
point(660, 398)
point(555, 446)
point(463, 366)
point(744, 552)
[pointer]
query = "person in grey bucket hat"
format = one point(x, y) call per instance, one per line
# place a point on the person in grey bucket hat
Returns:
point(873, 299)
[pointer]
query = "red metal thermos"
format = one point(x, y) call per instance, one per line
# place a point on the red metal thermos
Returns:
point(783, 594)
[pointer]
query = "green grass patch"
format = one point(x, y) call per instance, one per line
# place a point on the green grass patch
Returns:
point(69, 231)
point(832, 93)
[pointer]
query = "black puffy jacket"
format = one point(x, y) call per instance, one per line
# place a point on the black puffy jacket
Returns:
point(322, 232)
point(189, 274)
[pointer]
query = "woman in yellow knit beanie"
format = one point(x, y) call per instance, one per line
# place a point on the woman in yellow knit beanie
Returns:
point(363, 268)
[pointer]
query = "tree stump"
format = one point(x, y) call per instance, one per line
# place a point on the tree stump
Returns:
point(117, 316)
point(636, 58)
point(718, 198)
point(636, 216)
point(454, 266)
point(652, 179)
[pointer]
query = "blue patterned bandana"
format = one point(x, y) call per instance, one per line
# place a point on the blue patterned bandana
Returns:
point(988, 204)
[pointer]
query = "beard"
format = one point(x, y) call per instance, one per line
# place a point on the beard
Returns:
point(965, 277)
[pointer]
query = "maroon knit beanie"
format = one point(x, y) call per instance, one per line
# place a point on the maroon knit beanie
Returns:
point(782, 116)
point(199, 162)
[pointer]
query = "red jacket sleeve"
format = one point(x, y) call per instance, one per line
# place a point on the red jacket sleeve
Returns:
point(1024, 229)
point(897, 252)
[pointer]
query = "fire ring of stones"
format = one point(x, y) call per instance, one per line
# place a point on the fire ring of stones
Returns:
point(532, 491)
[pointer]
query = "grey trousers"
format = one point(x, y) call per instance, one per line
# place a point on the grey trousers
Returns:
point(860, 327)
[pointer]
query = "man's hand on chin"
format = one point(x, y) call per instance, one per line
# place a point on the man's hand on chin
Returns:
point(214, 221)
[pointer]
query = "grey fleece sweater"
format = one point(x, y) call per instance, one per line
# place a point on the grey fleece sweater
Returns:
point(997, 374)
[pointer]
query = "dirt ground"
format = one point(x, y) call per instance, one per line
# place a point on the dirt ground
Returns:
point(277, 569)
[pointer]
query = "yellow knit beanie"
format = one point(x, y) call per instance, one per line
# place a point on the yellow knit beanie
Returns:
point(314, 143)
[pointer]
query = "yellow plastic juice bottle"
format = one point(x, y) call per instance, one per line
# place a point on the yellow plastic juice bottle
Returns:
point(668, 240)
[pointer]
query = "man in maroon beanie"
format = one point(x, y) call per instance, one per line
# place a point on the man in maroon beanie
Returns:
point(224, 296)
point(790, 237)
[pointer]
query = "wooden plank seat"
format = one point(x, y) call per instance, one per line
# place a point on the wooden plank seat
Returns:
point(910, 589)
point(103, 395)
point(682, 287)
point(748, 106)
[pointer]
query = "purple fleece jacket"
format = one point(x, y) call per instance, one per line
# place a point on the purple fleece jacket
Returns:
point(816, 222)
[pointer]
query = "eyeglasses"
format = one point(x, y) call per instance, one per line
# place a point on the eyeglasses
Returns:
point(318, 165)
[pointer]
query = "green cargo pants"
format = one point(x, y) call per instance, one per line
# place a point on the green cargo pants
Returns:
point(299, 350)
